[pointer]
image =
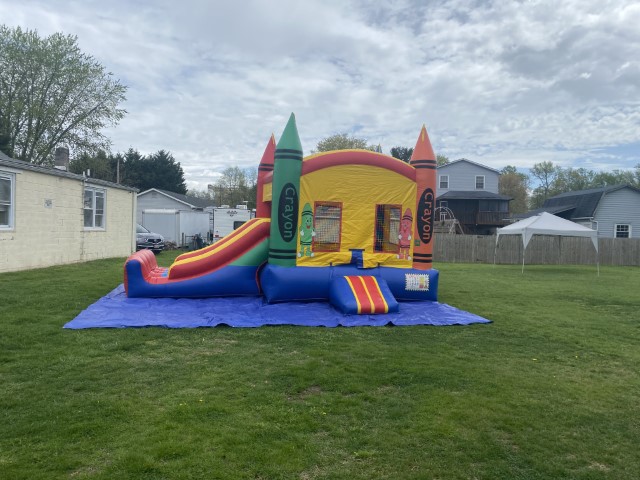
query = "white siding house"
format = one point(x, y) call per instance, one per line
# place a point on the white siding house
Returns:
point(467, 176)
point(618, 214)
point(613, 211)
point(52, 217)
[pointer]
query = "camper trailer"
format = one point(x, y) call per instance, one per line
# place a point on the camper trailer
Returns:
point(226, 219)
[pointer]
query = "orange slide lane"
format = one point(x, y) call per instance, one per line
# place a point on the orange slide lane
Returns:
point(221, 253)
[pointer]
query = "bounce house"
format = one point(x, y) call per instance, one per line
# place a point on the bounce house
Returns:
point(352, 227)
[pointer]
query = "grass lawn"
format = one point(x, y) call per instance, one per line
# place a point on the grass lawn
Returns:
point(550, 390)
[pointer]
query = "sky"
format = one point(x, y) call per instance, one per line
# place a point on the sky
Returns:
point(497, 82)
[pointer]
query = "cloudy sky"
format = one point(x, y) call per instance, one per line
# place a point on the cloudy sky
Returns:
point(498, 82)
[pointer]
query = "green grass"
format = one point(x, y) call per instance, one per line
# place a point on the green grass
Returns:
point(550, 390)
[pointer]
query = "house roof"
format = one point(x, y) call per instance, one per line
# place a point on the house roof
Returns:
point(538, 211)
point(472, 195)
point(7, 161)
point(577, 204)
point(584, 202)
point(193, 202)
point(468, 161)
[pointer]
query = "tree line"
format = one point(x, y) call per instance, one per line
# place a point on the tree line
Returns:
point(157, 170)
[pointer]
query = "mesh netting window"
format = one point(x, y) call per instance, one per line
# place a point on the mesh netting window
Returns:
point(327, 225)
point(387, 228)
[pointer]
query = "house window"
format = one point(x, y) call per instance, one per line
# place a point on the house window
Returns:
point(623, 231)
point(6, 200)
point(387, 228)
point(94, 203)
point(444, 181)
point(594, 225)
point(479, 182)
point(327, 223)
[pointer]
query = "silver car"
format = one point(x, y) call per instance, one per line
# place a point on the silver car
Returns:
point(148, 240)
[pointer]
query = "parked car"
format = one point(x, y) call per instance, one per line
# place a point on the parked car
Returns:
point(148, 240)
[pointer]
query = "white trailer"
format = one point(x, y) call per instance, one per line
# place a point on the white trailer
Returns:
point(226, 219)
point(178, 226)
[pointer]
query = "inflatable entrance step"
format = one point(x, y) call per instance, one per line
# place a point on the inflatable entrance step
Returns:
point(362, 295)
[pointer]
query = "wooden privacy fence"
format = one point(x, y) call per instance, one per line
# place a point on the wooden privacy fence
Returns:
point(542, 249)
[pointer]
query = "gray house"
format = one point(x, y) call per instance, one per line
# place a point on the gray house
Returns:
point(613, 211)
point(155, 198)
point(469, 191)
point(177, 217)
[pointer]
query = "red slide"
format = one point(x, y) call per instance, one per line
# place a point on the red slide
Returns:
point(221, 253)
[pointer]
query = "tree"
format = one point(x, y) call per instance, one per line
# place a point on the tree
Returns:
point(99, 166)
point(162, 171)
point(618, 177)
point(516, 185)
point(203, 194)
point(442, 160)
point(52, 94)
point(402, 153)
point(546, 173)
point(572, 179)
point(158, 170)
point(342, 141)
point(251, 174)
point(231, 188)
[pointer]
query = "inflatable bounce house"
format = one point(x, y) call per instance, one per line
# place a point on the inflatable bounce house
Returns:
point(352, 227)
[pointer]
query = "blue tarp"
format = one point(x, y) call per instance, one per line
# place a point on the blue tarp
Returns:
point(115, 310)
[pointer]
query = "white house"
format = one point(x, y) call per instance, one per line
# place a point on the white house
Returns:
point(50, 216)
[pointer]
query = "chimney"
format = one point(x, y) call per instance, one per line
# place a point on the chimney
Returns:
point(62, 158)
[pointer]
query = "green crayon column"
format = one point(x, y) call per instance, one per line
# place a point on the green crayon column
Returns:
point(285, 197)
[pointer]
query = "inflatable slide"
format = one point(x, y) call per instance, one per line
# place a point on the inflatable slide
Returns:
point(228, 267)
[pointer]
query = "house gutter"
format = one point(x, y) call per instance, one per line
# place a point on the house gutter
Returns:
point(134, 220)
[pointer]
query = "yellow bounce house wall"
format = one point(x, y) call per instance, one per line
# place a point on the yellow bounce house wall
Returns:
point(358, 190)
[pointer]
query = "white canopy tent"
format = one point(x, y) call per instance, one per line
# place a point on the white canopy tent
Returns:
point(547, 224)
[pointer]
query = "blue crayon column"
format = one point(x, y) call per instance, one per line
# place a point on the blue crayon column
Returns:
point(285, 197)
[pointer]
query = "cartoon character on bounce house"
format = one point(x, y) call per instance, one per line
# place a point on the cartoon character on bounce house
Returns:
point(361, 253)
point(307, 232)
point(404, 237)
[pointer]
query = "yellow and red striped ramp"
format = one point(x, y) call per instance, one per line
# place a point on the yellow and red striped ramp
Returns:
point(362, 295)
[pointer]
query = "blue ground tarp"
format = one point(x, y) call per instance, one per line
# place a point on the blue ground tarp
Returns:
point(115, 310)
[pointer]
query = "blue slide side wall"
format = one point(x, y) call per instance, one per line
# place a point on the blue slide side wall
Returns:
point(227, 281)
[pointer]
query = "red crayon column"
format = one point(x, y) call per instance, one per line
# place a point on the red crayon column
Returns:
point(424, 161)
point(266, 165)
